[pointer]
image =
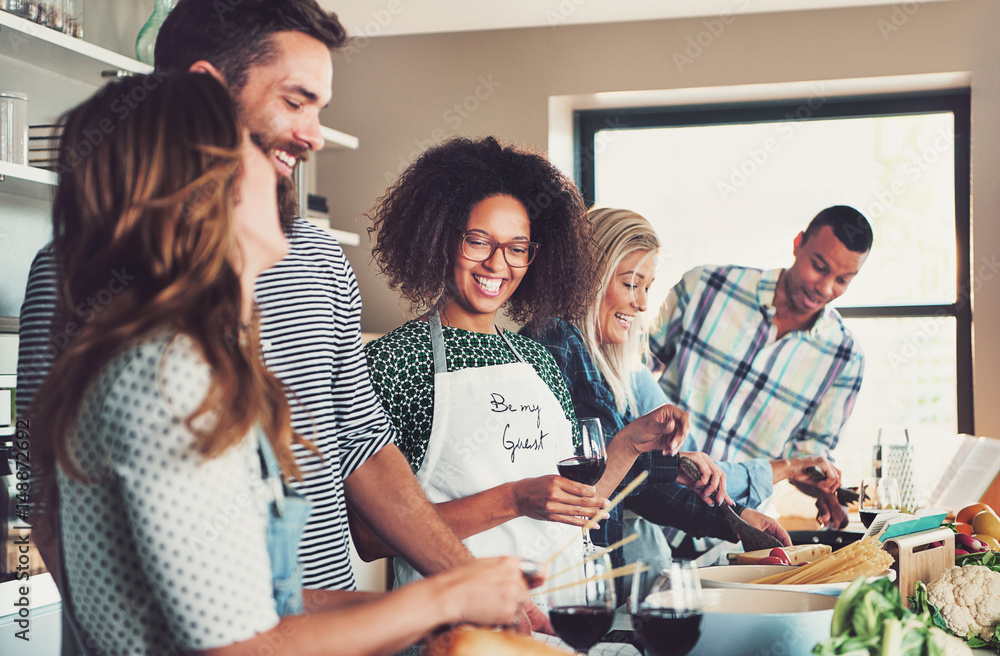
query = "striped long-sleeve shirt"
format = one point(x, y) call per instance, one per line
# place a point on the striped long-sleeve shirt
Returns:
point(311, 337)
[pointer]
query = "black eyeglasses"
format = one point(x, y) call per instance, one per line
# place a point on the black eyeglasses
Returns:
point(517, 254)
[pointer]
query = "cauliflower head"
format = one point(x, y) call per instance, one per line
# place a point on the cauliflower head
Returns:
point(949, 644)
point(969, 600)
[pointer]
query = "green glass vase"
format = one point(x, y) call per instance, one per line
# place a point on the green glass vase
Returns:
point(145, 43)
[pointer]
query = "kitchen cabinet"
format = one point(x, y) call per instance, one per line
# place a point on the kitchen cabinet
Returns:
point(57, 72)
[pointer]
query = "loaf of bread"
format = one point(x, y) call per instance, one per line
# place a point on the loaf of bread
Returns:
point(797, 554)
point(473, 641)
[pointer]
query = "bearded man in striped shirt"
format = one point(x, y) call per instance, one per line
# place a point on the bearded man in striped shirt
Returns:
point(275, 58)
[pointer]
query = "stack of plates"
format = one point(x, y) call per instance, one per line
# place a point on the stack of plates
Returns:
point(43, 146)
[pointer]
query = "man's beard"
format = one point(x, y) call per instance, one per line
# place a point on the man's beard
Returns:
point(288, 197)
point(288, 203)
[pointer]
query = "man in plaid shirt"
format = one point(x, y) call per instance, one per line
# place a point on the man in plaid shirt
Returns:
point(766, 369)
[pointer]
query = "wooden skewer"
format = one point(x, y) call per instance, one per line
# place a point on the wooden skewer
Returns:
point(634, 568)
point(600, 552)
point(592, 524)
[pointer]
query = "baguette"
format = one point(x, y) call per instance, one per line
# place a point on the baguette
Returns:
point(473, 641)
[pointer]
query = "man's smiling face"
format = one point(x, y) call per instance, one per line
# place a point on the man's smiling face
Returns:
point(282, 98)
point(821, 273)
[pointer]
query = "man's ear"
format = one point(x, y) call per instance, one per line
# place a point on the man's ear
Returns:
point(797, 244)
point(202, 66)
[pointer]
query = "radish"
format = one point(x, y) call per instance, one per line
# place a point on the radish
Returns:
point(780, 554)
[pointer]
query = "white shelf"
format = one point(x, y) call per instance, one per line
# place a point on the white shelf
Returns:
point(338, 139)
point(33, 44)
point(28, 42)
point(27, 181)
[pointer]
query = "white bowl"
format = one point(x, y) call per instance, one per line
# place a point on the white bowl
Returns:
point(762, 622)
point(740, 576)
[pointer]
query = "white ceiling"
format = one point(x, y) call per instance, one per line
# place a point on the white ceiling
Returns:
point(395, 17)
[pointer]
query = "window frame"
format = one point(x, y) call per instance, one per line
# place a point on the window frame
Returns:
point(587, 123)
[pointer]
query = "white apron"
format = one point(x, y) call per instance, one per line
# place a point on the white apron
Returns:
point(493, 425)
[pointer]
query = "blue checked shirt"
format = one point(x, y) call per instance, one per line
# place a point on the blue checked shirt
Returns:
point(752, 397)
point(658, 498)
point(749, 394)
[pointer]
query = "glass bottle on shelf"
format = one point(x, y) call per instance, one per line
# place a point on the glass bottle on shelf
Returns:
point(145, 43)
point(50, 14)
point(24, 8)
point(72, 18)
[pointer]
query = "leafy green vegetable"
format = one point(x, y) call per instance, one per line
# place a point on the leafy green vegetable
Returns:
point(922, 606)
point(870, 619)
point(990, 559)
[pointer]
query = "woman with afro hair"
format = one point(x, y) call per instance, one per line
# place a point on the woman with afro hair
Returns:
point(471, 228)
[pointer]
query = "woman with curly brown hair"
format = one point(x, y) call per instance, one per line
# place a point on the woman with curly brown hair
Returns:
point(471, 228)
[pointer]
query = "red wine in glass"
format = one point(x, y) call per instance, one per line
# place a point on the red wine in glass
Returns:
point(875, 496)
point(581, 627)
point(664, 632)
point(583, 469)
point(588, 460)
point(868, 516)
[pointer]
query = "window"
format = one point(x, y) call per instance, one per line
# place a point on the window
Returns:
point(735, 184)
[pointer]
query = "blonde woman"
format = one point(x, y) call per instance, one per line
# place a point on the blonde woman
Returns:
point(600, 353)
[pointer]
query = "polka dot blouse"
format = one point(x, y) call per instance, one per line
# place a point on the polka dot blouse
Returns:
point(165, 551)
point(402, 372)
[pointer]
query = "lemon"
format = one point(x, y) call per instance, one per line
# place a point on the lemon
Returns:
point(966, 514)
point(986, 523)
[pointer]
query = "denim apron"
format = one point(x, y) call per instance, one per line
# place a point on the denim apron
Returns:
point(285, 523)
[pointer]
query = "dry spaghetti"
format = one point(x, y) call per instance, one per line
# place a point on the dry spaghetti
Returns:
point(865, 557)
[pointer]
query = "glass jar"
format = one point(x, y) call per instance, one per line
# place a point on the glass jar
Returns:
point(13, 127)
point(72, 18)
point(24, 8)
point(50, 14)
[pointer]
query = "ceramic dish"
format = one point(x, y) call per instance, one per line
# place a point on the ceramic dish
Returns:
point(762, 622)
point(740, 576)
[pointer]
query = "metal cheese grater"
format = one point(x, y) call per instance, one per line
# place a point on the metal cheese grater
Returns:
point(898, 463)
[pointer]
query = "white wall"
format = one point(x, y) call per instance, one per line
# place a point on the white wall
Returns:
point(398, 94)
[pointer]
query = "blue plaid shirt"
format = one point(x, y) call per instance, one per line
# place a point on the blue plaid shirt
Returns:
point(658, 498)
point(751, 395)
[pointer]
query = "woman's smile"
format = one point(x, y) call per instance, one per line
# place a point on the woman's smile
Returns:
point(478, 289)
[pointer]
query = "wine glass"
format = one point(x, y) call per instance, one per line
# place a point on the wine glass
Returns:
point(666, 608)
point(877, 495)
point(588, 461)
point(581, 603)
